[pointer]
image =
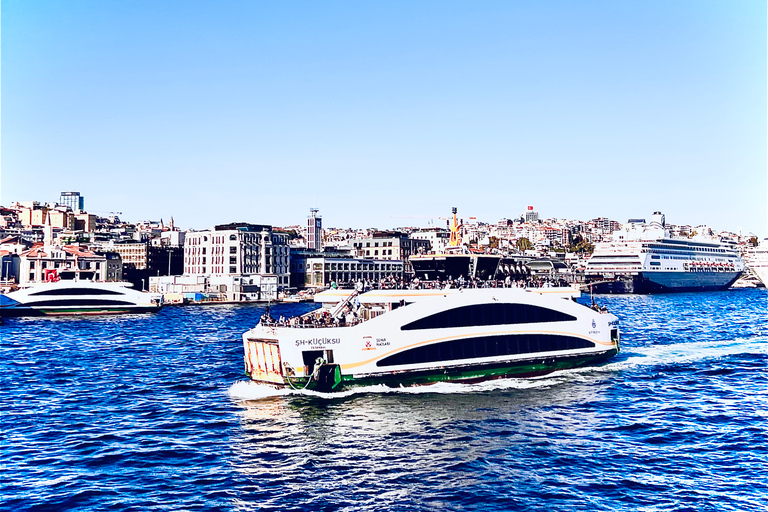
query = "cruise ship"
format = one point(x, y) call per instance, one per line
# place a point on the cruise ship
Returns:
point(643, 258)
point(415, 337)
point(757, 261)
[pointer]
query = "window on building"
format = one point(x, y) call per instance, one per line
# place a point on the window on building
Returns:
point(233, 250)
point(233, 237)
point(232, 270)
point(232, 260)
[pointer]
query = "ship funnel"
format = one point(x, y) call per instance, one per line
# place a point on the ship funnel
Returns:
point(658, 220)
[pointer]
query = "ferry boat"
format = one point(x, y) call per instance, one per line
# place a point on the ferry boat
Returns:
point(77, 297)
point(415, 337)
point(645, 259)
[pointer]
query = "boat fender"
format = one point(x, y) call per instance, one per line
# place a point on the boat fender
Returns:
point(319, 362)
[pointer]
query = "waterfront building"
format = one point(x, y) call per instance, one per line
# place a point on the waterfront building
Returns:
point(238, 249)
point(45, 262)
point(321, 271)
point(391, 245)
point(186, 288)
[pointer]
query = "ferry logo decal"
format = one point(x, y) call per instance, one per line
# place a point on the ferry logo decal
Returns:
point(593, 323)
point(368, 343)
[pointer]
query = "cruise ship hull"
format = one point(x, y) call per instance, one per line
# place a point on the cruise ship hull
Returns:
point(666, 282)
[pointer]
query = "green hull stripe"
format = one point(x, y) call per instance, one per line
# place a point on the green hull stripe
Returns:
point(473, 373)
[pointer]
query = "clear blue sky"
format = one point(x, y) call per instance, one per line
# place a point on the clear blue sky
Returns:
point(386, 114)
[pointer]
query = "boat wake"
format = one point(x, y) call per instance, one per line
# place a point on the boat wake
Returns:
point(686, 353)
point(630, 358)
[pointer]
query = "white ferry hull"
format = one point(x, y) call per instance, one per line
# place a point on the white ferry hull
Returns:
point(75, 298)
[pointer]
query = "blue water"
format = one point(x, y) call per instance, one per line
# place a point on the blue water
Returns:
point(153, 413)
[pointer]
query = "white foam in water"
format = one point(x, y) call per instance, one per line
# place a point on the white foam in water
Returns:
point(634, 357)
point(687, 352)
point(248, 390)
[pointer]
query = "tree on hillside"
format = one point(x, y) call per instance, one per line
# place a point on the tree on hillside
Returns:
point(524, 244)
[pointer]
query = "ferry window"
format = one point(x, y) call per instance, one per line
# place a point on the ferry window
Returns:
point(485, 346)
point(488, 314)
point(77, 291)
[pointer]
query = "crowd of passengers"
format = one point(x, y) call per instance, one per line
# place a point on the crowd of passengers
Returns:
point(398, 283)
point(351, 315)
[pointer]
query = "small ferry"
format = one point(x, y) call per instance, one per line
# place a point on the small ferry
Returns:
point(415, 337)
point(77, 297)
point(643, 258)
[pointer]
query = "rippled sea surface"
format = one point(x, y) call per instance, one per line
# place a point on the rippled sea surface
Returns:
point(152, 412)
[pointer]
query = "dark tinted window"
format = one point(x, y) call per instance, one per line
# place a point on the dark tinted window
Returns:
point(489, 314)
point(485, 346)
point(78, 291)
point(81, 302)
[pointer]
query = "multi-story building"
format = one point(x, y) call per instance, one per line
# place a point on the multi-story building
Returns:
point(73, 200)
point(321, 271)
point(314, 230)
point(238, 249)
point(438, 239)
point(530, 215)
point(388, 245)
point(44, 262)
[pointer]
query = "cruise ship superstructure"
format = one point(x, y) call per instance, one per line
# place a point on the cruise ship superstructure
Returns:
point(644, 258)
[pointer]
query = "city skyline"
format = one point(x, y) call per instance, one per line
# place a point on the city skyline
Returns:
point(389, 115)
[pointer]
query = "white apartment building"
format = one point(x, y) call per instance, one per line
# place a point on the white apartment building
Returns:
point(438, 239)
point(238, 250)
